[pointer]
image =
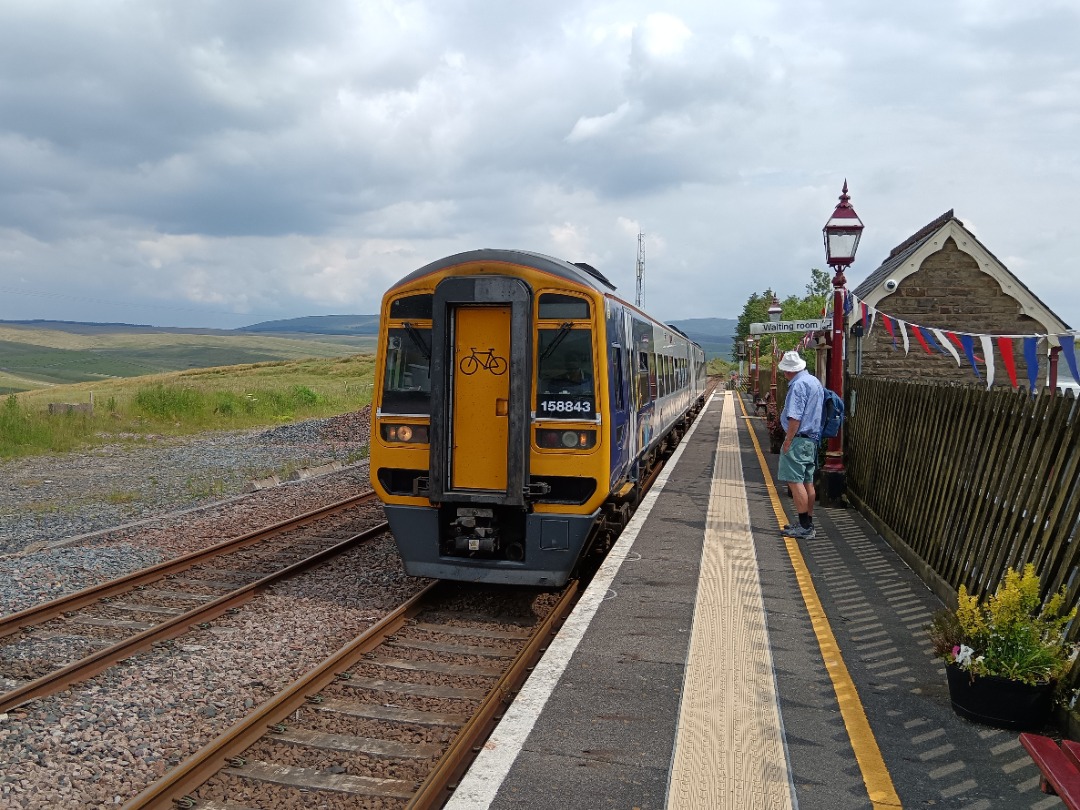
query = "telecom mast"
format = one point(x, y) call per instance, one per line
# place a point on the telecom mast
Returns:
point(640, 299)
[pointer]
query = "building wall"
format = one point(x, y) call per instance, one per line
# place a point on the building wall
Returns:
point(948, 291)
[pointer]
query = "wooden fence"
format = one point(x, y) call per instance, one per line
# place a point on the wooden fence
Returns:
point(966, 483)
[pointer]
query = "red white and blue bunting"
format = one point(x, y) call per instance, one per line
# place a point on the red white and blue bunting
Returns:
point(976, 348)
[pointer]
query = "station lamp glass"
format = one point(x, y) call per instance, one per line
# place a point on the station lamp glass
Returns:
point(842, 232)
point(774, 310)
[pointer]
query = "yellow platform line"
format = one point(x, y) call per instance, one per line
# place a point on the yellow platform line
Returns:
point(879, 785)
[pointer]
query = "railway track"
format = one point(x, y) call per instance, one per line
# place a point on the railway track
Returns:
point(190, 590)
point(390, 720)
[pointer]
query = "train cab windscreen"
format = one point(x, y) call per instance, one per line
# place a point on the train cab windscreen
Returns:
point(407, 376)
point(565, 378)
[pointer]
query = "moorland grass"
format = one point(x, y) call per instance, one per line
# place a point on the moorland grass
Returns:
point(183, 403)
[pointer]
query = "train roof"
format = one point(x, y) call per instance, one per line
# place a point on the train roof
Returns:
point(578, 272)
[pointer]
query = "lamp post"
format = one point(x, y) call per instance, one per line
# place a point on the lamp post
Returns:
point(774, 316)
point(750, 365)
point(842, 233)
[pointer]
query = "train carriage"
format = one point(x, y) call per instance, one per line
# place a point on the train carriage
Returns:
point(518, 409)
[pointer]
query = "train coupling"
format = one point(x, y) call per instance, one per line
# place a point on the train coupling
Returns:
point(474, 529)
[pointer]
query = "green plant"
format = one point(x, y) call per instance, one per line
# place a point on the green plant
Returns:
point(1013, 634)
point(118, 496)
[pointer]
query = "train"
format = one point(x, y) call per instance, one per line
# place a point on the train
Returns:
point(519, 408)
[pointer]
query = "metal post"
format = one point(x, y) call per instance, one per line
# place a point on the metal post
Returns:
point(834, 470)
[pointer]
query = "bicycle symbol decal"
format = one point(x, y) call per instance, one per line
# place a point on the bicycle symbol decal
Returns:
point(487, 360)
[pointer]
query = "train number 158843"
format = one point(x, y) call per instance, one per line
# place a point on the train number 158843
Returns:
point(566, 407)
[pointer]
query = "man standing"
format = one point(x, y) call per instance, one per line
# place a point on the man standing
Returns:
point(801, 420)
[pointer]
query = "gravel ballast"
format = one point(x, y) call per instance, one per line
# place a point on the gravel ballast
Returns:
point(102, 741)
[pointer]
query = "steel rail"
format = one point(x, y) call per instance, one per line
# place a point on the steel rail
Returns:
point(49, 610)
point(102, 659)
point(436, 788)
point(173, 788)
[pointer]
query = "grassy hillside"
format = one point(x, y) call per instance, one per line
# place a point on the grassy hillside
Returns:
point(32, 357)
point(321, 325)
point(184, 402)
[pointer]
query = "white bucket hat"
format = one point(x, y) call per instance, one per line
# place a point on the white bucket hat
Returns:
point(791, 361)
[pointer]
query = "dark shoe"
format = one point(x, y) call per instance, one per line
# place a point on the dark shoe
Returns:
point(787, 527)
point(799, 533)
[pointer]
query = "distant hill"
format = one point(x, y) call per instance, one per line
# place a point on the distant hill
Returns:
point(85, 328)
point(714, 335)
point(320, 325)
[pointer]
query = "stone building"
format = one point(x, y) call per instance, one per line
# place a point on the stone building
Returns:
point(943, 277)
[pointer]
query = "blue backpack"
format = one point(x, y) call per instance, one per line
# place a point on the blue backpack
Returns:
point(832, 415)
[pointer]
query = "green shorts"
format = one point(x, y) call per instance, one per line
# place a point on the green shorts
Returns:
point(797, 465)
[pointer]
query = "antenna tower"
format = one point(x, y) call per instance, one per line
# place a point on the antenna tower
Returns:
point(640, 298)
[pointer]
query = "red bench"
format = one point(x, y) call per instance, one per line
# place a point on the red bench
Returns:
point(1059, 766)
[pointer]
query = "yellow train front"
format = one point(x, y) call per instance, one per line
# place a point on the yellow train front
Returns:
point(519, 406)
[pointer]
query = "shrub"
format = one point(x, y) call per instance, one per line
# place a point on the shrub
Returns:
point(1012, 634)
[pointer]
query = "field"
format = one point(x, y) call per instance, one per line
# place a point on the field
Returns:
point(135, 409)
point(35, 358)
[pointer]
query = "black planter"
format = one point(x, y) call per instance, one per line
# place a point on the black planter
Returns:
point(999, 702)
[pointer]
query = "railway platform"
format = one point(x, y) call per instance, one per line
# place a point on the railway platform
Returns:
point(714, 664)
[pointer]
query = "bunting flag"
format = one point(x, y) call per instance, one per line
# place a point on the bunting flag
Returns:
point(1005, 346)
point(885, 319)
point(947, 346)
point(952, 343)
point(988, 352)
point(968, 345)
point(1068, 351)
point(1031, 357)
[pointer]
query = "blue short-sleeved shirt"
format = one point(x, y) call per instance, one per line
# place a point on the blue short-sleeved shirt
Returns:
point(804, 401)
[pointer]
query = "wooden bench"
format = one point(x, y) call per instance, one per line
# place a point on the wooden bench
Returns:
point(1059, 766)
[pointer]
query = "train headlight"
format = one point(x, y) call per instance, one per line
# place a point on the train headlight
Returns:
point(406, 434)
point(566, 439)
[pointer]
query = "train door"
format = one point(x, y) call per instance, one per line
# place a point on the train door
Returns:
point(481, 394)
point(481, 372)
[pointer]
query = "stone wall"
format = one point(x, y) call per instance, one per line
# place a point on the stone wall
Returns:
point(948, 291)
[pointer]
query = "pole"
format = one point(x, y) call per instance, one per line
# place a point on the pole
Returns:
point(1054, 352)
point(757, 369)
point(834, 471)
point(772, 387)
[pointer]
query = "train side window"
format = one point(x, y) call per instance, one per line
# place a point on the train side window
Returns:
point(418, 307)
point(652, 376)
point(617, 373)
point(407, 374)
point(562, 307)
point(643, 378)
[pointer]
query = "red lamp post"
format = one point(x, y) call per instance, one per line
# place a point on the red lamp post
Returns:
point(842, 233)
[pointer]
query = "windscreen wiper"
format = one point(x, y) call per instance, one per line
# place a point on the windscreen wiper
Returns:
point(414, 334)
point(564, 330)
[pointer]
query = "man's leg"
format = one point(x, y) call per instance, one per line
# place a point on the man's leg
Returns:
point(811, 497)
point(799, 496)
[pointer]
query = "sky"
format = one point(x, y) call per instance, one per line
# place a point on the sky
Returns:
point(217, 164)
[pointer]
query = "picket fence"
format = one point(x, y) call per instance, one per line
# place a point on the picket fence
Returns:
point(966, 483)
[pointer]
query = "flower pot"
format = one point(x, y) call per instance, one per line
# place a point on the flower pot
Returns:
point(999, 702)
